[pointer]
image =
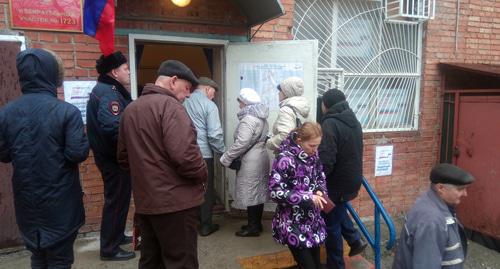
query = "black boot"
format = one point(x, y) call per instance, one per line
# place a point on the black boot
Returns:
point(252, 229)
point(257, 211)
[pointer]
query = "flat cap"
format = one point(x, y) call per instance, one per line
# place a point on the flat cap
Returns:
point(208, 82)
point(107, 63)
point(172, 68)
point(450, 174)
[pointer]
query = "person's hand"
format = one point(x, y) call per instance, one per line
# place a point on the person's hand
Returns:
point(318, 201)
point(319, 193)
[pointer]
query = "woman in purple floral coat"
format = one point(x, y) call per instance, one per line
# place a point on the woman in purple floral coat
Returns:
point(297, 184)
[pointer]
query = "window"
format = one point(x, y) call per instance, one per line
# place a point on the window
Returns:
point(376, 63)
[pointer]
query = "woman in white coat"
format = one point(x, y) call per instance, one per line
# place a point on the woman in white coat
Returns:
point(293, 107)
point(249, 145)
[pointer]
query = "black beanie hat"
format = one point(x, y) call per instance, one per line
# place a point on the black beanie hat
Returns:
point(107, 63)
point(332, 97)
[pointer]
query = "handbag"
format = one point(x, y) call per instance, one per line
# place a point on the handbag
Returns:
point(236, 163)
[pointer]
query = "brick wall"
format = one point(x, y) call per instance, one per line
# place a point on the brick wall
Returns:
point(414, 152)
point(79, 53)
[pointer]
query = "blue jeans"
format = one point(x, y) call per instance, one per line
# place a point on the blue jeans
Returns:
point(338, 225)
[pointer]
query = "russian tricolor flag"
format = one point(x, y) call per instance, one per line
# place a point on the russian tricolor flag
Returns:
point(99, 22)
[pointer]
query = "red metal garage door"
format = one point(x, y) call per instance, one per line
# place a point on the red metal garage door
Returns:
point(478, 143)
point(9, 89)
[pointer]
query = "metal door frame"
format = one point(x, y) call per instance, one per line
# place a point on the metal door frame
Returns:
point(457, 93)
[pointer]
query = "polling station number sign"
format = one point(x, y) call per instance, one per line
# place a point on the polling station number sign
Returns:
point(50, 15)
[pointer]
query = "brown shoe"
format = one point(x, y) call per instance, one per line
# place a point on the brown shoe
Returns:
point(357, 248)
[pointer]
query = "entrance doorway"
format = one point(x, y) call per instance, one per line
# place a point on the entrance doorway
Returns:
point(9, 48)
point(203, 57)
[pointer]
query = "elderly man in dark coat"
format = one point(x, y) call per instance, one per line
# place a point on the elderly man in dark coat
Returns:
point(157, 143)
point(432, 236)
point(44, 139)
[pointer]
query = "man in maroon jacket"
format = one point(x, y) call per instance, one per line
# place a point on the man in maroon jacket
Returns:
point(157, 143)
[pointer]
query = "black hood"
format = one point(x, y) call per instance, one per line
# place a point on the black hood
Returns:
point(343, 113)
point(38, 71)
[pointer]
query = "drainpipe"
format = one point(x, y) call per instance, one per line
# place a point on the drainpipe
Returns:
point(456, 27)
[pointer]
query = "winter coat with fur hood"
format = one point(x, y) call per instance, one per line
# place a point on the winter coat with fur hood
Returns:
point(290, 109)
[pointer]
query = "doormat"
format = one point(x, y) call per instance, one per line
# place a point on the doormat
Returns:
point(284, 260)
point(278, 260)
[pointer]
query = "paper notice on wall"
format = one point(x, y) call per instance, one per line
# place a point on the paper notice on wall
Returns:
point(265, 77)
point(383, 160)
point(77, 93)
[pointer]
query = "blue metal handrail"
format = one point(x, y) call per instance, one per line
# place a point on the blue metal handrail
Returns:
point(379, 210)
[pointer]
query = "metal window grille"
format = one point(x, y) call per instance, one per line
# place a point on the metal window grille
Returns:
point(376, 64)
point(329, 78)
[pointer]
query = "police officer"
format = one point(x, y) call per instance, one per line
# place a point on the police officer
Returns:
point(106, 104)
point(432, 236)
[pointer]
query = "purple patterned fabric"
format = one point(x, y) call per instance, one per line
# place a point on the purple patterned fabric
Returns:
point(295, 177)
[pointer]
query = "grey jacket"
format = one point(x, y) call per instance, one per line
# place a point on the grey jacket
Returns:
point(252, 179)
point(432, 237)
point(205, 116)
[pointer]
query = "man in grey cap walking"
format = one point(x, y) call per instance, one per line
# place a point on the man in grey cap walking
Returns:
point(432, 236)
point(205, 116)
point(157, 143)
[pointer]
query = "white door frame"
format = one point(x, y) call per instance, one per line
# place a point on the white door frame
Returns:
point(183, 41)
point(132, 38)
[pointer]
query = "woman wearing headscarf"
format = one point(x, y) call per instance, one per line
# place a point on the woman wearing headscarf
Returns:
point(249, 146)
point(293, 109)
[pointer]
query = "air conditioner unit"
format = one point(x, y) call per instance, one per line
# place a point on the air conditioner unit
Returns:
point(409, 11)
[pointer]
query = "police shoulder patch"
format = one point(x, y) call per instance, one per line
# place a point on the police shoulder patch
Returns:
point(114, 108)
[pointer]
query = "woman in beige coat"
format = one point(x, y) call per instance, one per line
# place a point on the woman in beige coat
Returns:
point(293, 106)
point(249, 144)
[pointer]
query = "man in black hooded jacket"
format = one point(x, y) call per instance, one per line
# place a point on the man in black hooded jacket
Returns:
point(341, 152)
point(104, 109)
point(44, 139)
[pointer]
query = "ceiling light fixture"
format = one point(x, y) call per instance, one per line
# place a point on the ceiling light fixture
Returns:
point(181, 3)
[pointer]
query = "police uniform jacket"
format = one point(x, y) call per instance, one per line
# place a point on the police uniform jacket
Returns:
point(432, 237)
point(106, 104)
point(44, 139)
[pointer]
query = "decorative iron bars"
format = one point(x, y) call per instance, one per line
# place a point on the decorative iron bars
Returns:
point(329, 78)
point(376, 64)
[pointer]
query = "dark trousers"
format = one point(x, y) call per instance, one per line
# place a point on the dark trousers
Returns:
point(254, 215)
point(208, 204)
point(306, 258)
point(58, 256)
point(169, 240)
point(117, 191)
point(338, 225)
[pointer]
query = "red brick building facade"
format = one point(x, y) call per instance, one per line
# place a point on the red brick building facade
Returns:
point(415, 152)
